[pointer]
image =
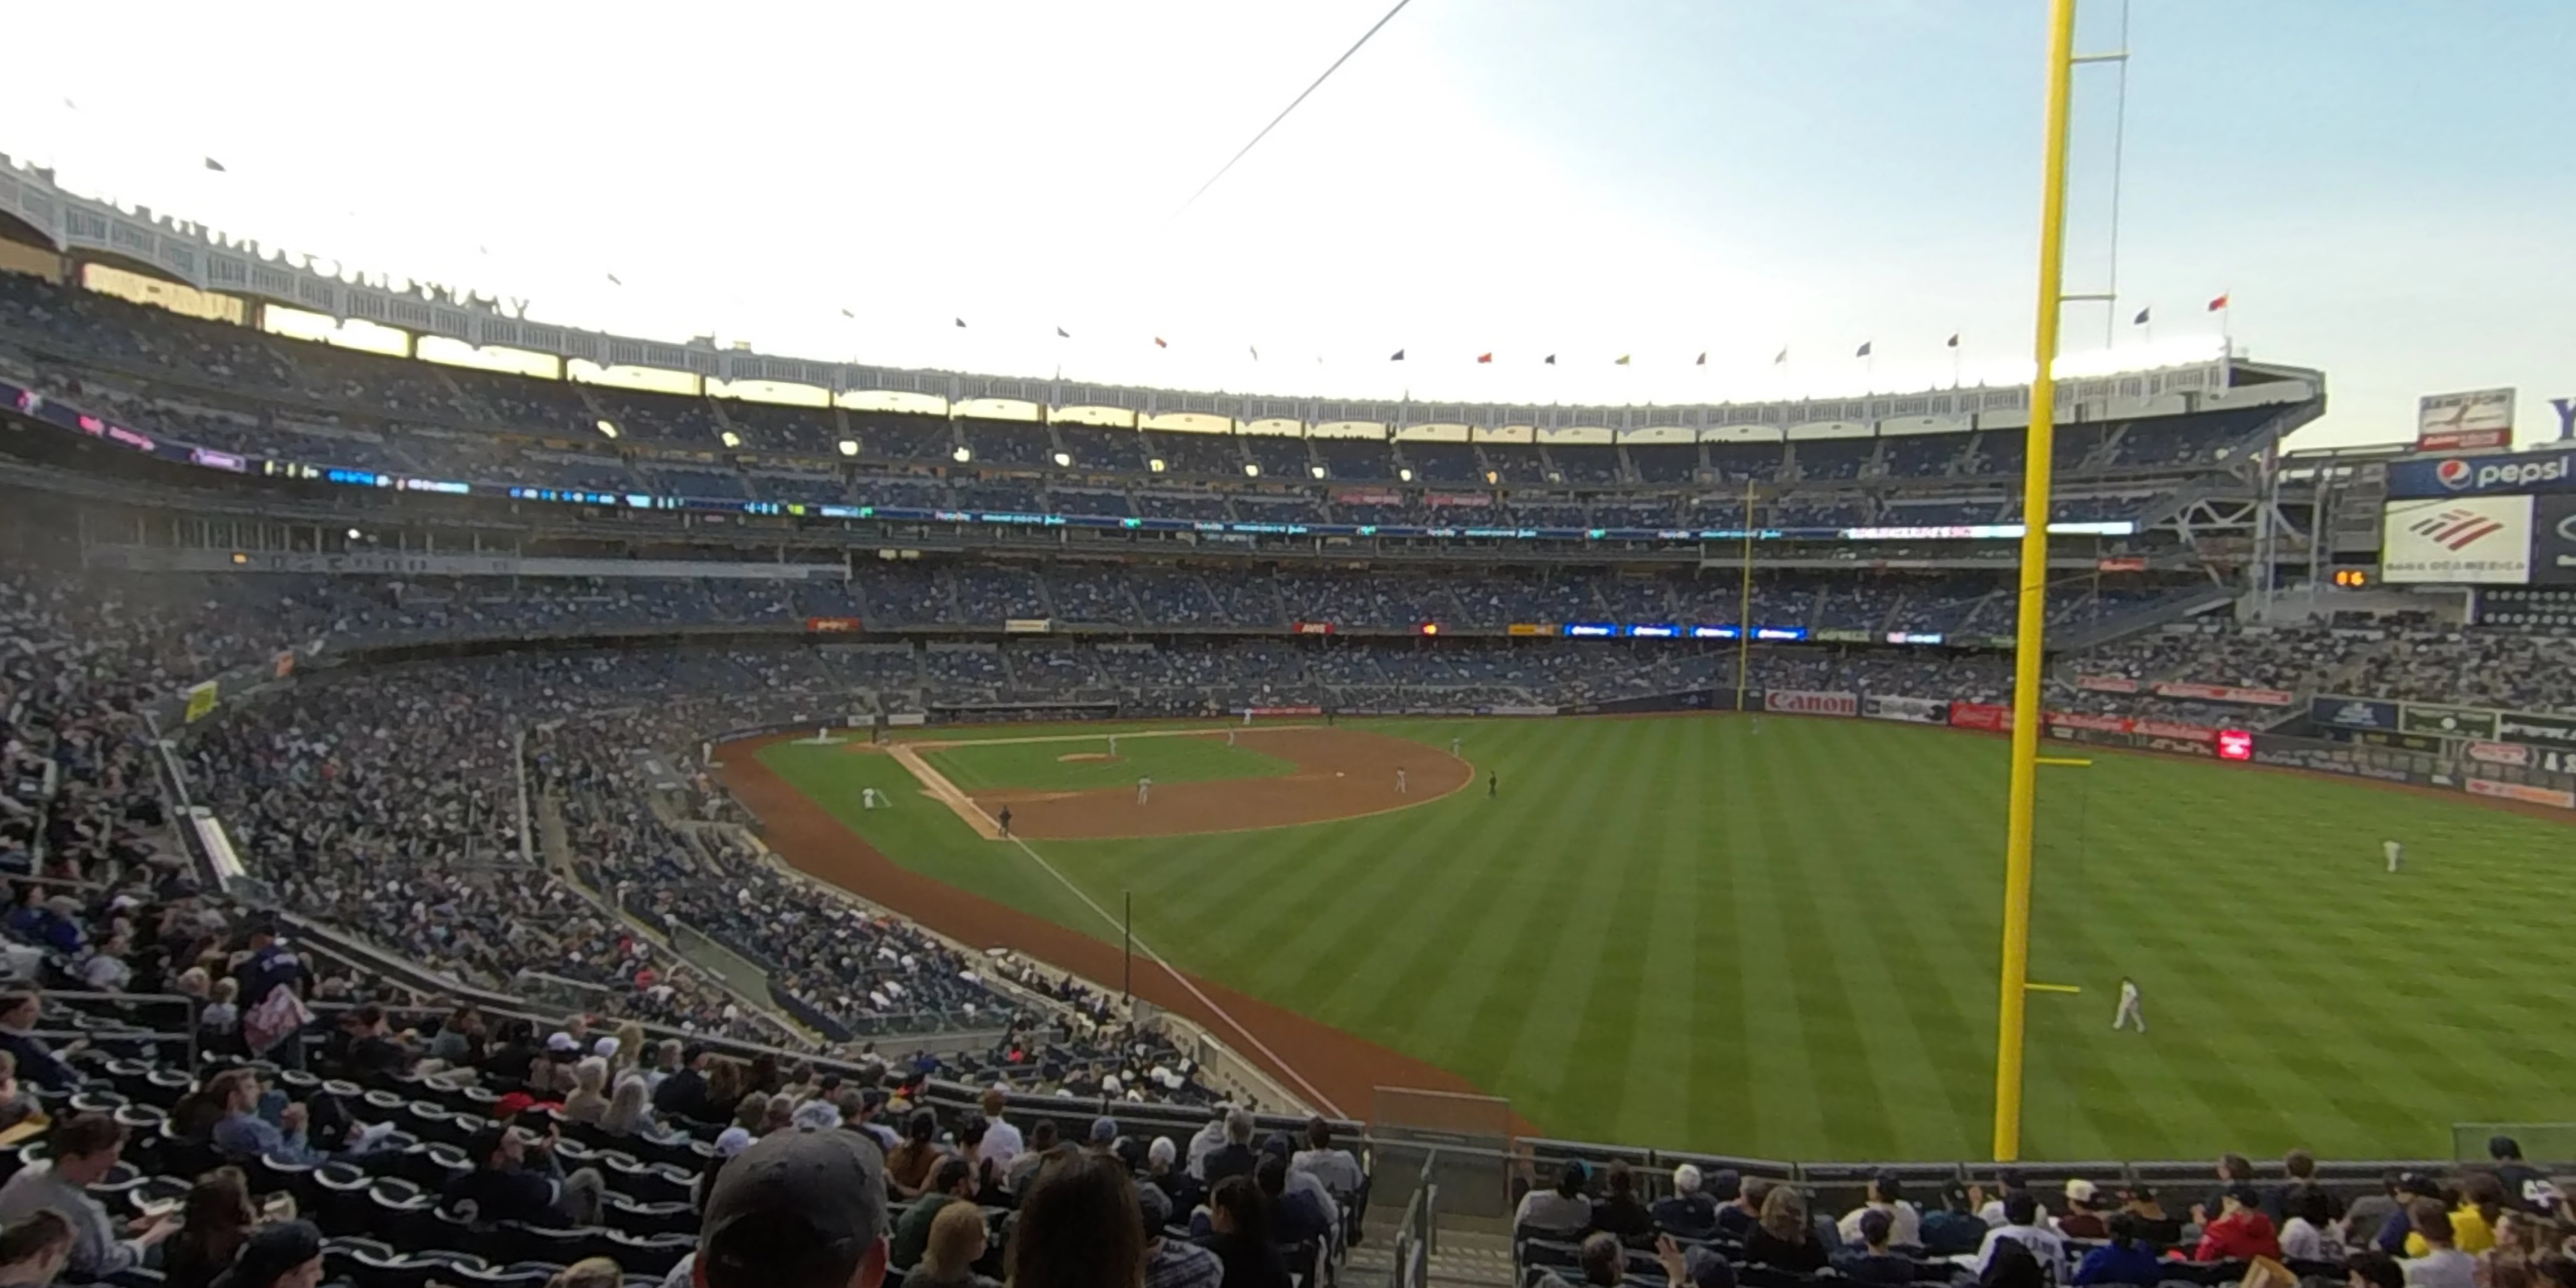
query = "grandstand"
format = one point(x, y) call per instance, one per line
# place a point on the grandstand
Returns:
point(450, 676)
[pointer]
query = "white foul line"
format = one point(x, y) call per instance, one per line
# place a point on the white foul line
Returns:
point(1321, 1101)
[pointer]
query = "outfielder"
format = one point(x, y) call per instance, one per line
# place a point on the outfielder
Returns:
point(1113, 744)
point(1144, 790)
point(2129, 1011)
point(867, 798)
point(1453, 746)
point(2396, 854)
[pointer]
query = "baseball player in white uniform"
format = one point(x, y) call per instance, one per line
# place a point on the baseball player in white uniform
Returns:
point(2129, 1011)
point(2396, 854)
point(1144, 790)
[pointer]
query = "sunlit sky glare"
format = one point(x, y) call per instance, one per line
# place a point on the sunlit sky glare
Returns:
point(2381, 186)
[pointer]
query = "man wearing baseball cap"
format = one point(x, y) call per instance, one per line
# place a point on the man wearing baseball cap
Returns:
point(803, 1208)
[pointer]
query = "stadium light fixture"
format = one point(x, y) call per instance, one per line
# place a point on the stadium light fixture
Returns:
point(962, 455)
point(1405, 473)
point(608, 427)
point(1251, 471)
point(354, 534)
point(1316, 470)
point(849, 447)
point(1493, 478)
point(731, 439)
point(1155, 465)
point(1064, 460)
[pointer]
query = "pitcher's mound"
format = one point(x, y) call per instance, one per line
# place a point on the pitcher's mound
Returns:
point(1087, 756)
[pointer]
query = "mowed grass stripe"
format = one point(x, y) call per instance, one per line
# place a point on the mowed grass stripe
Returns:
point(1681, 932)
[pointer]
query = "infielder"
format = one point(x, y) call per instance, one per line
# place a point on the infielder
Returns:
point(2128, 1012)
point(1144, 790)
point(1453, 746)
point(1113, 744)
point(2396, 854)
point(1399, 782)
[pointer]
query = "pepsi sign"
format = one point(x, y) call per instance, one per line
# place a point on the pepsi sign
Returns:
point(2521, 472)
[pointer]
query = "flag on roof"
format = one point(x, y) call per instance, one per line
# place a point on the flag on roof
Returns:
point(1702, 360)
point(216, 166)
point(1062, 334)
point(1485, 357)
point(1256, 352)
point(1397, 356)
point(848, 314)
point(1551, 359)
point(612, 280)
point(2141, 319)
point(1780, 357)
point(961, 323)
point(1862, 351)
point(1623, 360)
point(1160, 343)
point(1954, 340)
point(2217, 304)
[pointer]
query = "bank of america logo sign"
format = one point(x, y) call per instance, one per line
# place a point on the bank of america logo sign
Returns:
point(2455, 529)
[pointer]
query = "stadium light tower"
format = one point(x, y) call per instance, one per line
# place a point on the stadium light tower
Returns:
point(2038, 460)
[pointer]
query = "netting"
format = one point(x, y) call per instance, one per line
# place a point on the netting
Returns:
point(1466, 1143)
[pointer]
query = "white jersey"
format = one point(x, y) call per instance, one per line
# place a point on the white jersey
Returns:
point(2128, 995)
point(2396, 853)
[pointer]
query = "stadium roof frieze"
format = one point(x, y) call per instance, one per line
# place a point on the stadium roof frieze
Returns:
point(193, 254)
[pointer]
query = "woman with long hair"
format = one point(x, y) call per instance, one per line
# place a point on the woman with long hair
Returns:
point(956, 1243)
point(218, 1220)
point(589, 1098)
point(1782, 1237)
point(1239, 1235)
point(908, 1165)
point(1079, 1227)
point(625, 1114)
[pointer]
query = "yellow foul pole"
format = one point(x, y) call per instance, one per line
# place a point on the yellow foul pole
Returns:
point(2034, 591)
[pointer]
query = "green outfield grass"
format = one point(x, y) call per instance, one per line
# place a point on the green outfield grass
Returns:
point(987, 765)
point(1781, 939)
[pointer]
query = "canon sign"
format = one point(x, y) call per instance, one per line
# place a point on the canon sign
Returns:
point(1808, 703)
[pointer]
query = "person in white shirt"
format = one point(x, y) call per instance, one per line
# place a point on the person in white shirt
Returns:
point(1002, 1141)
point(2442, 1265)
point(1991, 1210)
point(2311, 1233)
point(2022, 1225)
point(2396, 854)
point(1210, 1139)
point(1886, 1194)
point(2128, 1013)
point(1339, 1172)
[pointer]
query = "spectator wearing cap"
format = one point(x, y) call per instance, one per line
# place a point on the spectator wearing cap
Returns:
point(800, 1209)
point(2081, 1220)
point(35, 1248)
point(1170, 1262)
point(2411, 1188)
point(512, 1182)
point(1239, 1234)
point(1104, 1135)
point(953, 1243)
point(2233, 1170)
point(84, 1149)
point(1339, 1172)
point(1869, 1259)
point(2442, 1265)
point(1953, 1229)
point(1687, 1211)
point(1564, 1211)
point(2240, 1232)
point(1618, 1211)
point(1081, 1226)
point(285, 1255)
point(2525, 1187)
point(1886, 1194)
point(2126, 1259)
point(1002, 1141)
point(1236, 1156)
point(953, 1181)
point(2022, 1225)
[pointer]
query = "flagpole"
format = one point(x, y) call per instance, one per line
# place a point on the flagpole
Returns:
point(2037, 463)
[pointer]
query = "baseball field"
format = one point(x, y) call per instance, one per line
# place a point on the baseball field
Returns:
point(1772, 937)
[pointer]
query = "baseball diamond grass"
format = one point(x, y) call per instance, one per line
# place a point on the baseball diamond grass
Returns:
point(1779, 939)
point(988, 765)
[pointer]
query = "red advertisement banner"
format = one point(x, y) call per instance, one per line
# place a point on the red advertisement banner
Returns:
point(2106, 683)
point(2170, 729)
point(2522, 792)
point(1311, 628)
point(2500, 753)
point(2223, 693)
point(2098, 724)
point(1980, 715)
point(832, 625)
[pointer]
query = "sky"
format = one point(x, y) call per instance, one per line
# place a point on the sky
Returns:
point(2380, 187)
